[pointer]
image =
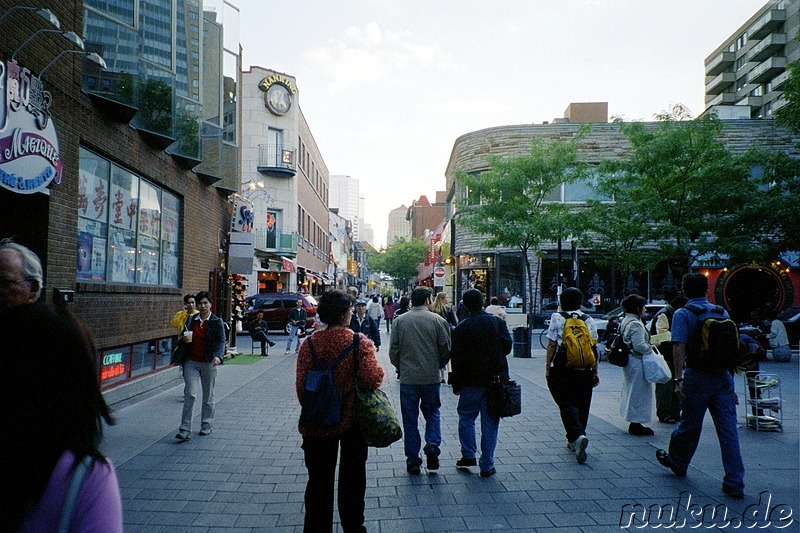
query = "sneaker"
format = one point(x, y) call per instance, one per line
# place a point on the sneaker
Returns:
point(183, 435)
point(287, 352)
point(205, 431)
point(271, 344)
point(432, 462)
point(580, 448)
point(466, 463)
point(571, 446)
point(639, 430)
point(414, 470)
point(488, 473)
point(733, 492)
point(663, 457)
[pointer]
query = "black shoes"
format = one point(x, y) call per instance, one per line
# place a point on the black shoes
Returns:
point(432, 462)
point(466, 463)
point(414, 470)
point(663, 457)
point(271, 344)
point(488, 473)
point(668, 420)
point(639, 430)
point(736, 494)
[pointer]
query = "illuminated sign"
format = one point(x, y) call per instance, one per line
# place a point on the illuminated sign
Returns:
point(29, 154)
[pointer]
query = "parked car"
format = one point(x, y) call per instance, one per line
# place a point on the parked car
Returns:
point(276, 308)
point(541, 319)
point(649, 312)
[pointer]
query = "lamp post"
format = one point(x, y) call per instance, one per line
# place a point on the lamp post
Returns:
point(45, 14)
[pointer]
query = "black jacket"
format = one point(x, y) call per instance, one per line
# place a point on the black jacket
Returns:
point(480, 345)
point(367, 327)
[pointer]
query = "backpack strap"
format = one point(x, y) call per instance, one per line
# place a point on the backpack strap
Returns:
point(78, 475)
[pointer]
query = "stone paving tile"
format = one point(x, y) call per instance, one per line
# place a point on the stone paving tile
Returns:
point(249, 474)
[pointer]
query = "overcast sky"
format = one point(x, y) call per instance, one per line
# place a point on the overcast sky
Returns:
point(387, 86)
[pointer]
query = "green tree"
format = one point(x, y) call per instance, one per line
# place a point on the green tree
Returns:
point(789, 114)
point(669, 202)
point(400, 261)
point(509, 203)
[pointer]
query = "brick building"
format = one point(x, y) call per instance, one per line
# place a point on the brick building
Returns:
point(140, 214)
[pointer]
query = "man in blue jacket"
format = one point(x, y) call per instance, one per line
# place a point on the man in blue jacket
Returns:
point(480, 344)
point(702, 389)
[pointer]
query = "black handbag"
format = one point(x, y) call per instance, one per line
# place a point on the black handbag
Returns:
point(616, 350)
point(504, 397)
point(179, 354)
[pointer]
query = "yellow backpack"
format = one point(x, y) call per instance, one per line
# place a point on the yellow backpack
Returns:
point(578, 347)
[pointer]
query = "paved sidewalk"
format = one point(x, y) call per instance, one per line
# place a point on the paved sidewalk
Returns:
point(249, 476)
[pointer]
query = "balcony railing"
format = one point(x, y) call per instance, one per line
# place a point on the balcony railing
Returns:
point(768, 22)
point(767, 70)
point(280, 243)
point(277, 160)
point(720, 63)
point(768, 46)
point(720, 83)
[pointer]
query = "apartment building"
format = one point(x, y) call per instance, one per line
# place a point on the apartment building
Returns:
point(746, 73)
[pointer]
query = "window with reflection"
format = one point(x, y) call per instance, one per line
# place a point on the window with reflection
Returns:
point(128, 228)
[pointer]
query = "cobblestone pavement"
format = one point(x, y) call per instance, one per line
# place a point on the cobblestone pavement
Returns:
point(248, 475)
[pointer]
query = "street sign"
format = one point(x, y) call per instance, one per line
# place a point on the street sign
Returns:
point(438, 276)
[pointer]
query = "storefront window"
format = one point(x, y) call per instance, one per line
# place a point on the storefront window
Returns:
point(115, 366)
point(127, 227)
point(143, 358)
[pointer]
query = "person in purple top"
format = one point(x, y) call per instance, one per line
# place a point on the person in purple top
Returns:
point(53, 419)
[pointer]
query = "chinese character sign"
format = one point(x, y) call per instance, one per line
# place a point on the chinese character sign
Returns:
point(29, 155)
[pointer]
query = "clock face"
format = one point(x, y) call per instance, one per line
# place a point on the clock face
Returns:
point(279, 99)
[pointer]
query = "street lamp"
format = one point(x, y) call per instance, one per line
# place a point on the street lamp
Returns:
point(45, 14)
point(68, 35)
point(91, 56)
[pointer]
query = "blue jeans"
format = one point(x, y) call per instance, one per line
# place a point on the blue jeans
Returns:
point(712, 391)
point(194, 374)
point(412, 399)
point(471, 402)
point(292, 336)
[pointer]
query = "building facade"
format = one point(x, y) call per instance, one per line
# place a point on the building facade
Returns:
point(345, 197)
point(398, 227)
point(423, 216)
point(498, 271)
point(285, 178)
point(144, 156)
point(748, 70)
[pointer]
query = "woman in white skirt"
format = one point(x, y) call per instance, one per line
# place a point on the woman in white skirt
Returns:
point(638, 394)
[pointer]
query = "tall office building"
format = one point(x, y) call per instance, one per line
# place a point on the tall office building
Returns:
point(399, 225)
point(344, 195)
point(748, 70)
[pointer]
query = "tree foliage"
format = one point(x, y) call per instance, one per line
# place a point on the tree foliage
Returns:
point(509, 203)
point(400, 261)
point(669, 199)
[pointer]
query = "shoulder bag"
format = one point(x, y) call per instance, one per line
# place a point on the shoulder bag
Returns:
point(504, 397)
point(377, 419)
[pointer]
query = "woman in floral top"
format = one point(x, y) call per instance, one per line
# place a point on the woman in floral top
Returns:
point(321, 443)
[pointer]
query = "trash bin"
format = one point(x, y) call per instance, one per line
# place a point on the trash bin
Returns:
point(522, 342)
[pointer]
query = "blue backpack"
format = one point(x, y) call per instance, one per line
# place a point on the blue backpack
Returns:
point(322, 405)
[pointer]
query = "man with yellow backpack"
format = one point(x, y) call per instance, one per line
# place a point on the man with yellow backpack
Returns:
point(571, 368)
